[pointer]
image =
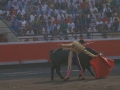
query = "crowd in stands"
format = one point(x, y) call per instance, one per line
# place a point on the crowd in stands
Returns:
point(36, 17)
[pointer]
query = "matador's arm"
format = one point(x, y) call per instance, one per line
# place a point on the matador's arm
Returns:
point(87, 52)
point(66, 45)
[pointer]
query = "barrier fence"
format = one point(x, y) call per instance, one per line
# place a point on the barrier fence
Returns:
point(36, 52)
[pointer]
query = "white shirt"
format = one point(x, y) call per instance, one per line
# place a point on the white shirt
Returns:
point(99, 22)
point(93, 9)
point(58, 26)
point(91, 30)
point(59, 16)
point(30, 32)
point(45, 31)
point(109, 24)
point(24, 23)
point(22, 12)
point(71, 25)
point(44, 7)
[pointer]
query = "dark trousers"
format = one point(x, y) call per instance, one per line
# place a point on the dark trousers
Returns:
point(76, 61)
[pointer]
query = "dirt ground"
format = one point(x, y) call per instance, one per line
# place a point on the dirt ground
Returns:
point(110, 83)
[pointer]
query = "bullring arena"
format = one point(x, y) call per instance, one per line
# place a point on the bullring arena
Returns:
point(30, 29)
point(27, 66)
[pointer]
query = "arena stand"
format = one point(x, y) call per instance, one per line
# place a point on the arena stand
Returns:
point(55, 17)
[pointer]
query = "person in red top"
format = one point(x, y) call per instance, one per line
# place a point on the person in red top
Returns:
point(105, 18)
point(84, 4)
point(56, 21)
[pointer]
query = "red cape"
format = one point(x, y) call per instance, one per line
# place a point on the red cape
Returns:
point(102, 66)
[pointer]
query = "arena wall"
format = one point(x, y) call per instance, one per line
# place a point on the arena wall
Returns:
point(37, 52)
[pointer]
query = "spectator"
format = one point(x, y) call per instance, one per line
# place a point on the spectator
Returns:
point(98, 5)
point(75, 37)
point(78, 26)
point(66, 37)
point(108, 25)
point(21, 11)
point(56, 21)
point(15, 21)
point(23, 21)
point(70, 30)
point(105, 18)
point(71, 24)
point(92, 29)
point(59, 37)
point(13, 11)
point(45, 30)
point(56, 25)
point(53, 38)
point(20, 29)
point(36, 28)
point(14, 27)
point(88, 36)
point(50, 27)
point(55, 30)
point(99, 25)
point(30, 32)
point(115, 25)
point(76, 30)
point(106, 9)
point(81, 37)
point(15, 6)
point(9, 21)
point(46, 38)
point(93, 8)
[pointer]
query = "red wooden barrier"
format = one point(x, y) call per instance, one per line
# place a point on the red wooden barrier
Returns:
point(19, 53)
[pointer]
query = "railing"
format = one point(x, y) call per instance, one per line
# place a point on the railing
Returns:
point(71, 36)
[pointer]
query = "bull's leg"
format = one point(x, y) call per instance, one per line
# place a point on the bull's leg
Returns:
point(52, 72)
point(89, 69)
point(58, 72)
point(83, 71)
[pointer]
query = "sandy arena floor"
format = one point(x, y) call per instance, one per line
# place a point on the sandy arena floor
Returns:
point(111, 83)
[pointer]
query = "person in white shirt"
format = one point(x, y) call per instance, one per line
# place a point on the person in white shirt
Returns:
point(45, 30)
point(108, 25)
point(16, 7)
point(99, 24)
point(101, 14)
point(30, 32)
point(93, 8)
point(44, 7)
point(68, 15)
point(60, 15)
point(92, 29)
point(56, 25)
point(46, 16)
point(91, 2)
point(106, 9)
point(21, 11)
point(23, 21)
point(71, 24)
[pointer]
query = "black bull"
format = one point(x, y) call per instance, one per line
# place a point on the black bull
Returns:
point(60, 56)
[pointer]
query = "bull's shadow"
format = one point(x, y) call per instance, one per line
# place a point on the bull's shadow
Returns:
point(59, 81)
